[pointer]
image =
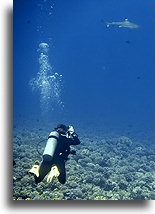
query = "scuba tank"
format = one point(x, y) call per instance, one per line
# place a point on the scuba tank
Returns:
point(51, 146)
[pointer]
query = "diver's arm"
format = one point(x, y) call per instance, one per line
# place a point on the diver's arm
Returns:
point(73, 139)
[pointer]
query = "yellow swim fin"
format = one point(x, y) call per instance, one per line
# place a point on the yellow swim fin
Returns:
point(34, 170)
point(53, 173)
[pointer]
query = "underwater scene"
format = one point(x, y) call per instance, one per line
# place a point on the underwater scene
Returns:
point(83, 100)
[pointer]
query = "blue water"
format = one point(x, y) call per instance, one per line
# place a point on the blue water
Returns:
point(95, 76)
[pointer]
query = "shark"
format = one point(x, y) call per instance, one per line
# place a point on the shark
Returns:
point(126, 24)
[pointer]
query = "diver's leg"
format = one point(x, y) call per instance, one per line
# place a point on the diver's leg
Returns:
point(61, 167)
point(44, 169)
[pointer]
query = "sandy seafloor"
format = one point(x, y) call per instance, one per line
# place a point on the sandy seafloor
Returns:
point(108, 165)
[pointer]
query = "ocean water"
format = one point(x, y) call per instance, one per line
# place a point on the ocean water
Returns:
point(70, 67)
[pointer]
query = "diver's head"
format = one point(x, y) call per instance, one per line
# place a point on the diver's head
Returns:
point(61, 128)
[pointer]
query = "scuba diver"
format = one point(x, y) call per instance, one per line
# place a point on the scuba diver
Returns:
point(56, 154)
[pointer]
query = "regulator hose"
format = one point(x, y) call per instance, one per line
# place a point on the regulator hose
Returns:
point(38, 146)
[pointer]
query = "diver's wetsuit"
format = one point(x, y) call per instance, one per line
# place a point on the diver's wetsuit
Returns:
point(60, 156)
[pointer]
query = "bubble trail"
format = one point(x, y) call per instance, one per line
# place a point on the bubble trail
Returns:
point(48, 84)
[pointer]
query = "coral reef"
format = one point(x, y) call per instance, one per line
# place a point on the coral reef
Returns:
point(103, 169)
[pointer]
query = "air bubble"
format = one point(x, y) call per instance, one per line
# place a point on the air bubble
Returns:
point(48, 84)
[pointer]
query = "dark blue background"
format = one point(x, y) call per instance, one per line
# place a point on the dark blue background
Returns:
point(108, 72)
